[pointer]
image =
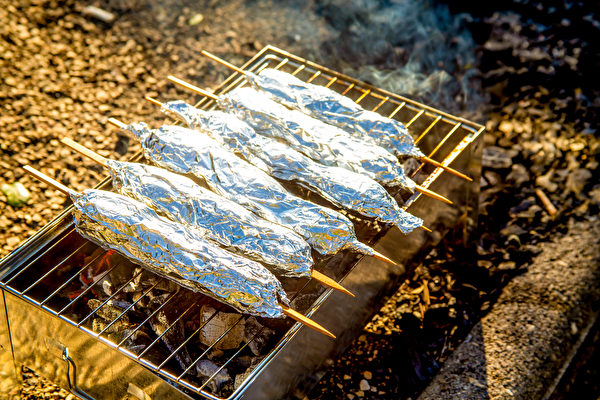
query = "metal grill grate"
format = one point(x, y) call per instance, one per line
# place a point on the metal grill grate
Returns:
point(55, 281)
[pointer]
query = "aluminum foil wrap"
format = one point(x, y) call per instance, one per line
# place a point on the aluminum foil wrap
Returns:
point(222, 221)
point(323, 143)
point(176, 252)
point(186, 151)
point(329, 106)
point(344, 188)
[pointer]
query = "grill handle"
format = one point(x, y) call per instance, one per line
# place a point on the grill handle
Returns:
point(59, 348)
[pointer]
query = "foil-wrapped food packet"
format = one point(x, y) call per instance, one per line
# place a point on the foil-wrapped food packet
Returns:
point(183, 151)
point(323, 143)
point(343, 188)
point(218, 219)
point(176, 252)
point(333, 108)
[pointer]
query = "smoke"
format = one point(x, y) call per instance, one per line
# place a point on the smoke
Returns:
point(409, 47)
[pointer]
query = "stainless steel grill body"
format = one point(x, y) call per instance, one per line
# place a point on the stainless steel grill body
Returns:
point(50, 333)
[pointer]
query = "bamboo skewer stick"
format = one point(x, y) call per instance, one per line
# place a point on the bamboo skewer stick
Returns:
point(325, 280)
point(305, 320)
point(286, 310)
point(47, 180)
point(424, 158)
point(212, 96)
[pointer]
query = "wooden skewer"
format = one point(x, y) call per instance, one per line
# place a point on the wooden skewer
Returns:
point(381, 257)
point(306, 321)
point(325, 280)
point(286, 310)
point(424, 158)
point(117, 123)
point(432, 194)
point(154, 101)
point(191, 87)
point(49, 181)
point(223, 62)
point(426, 229)
point(84, 151)
point(446, 168)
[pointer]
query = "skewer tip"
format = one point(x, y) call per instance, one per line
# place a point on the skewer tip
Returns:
point(295, 315)
point(381, 257)
point(433, 194)
point(426, 229)
point(446, 168)
point(327, 281)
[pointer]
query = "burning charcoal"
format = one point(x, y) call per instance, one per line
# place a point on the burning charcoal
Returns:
point(207, 369)
point(217, 325)
point(172, 338)
point(257, 341)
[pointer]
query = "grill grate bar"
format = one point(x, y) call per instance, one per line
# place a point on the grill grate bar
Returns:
point(282, 63)
point(109, 297)
point(409, 123)
point(35, 259)
point(331, 81)
point(166, 330)
point(348, 89)
point(382, 102)
point(190, 337)
point(314, 76)
point(422, 135)
point(148, 318)
point(130, 307)
point(75, 275)
point(205, 352)
point(362, 96)
point(53, 269)
point(84, 291)
point(440, 144)
point(297, 70)
point(400, 107)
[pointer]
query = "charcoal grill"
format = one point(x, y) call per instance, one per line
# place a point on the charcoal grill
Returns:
point(48, 325)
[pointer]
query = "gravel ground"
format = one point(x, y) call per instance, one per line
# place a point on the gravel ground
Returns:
point(64, 74)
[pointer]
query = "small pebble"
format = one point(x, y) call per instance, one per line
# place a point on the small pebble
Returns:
point(364, 385)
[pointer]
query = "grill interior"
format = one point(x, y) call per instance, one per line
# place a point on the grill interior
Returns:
point(187, 338)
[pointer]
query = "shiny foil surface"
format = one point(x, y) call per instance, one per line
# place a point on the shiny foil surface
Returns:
point(187, 151)
point(177, 252)
point(333, 108)
point(323, 143)
point(217, 219)
point(344, 188)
